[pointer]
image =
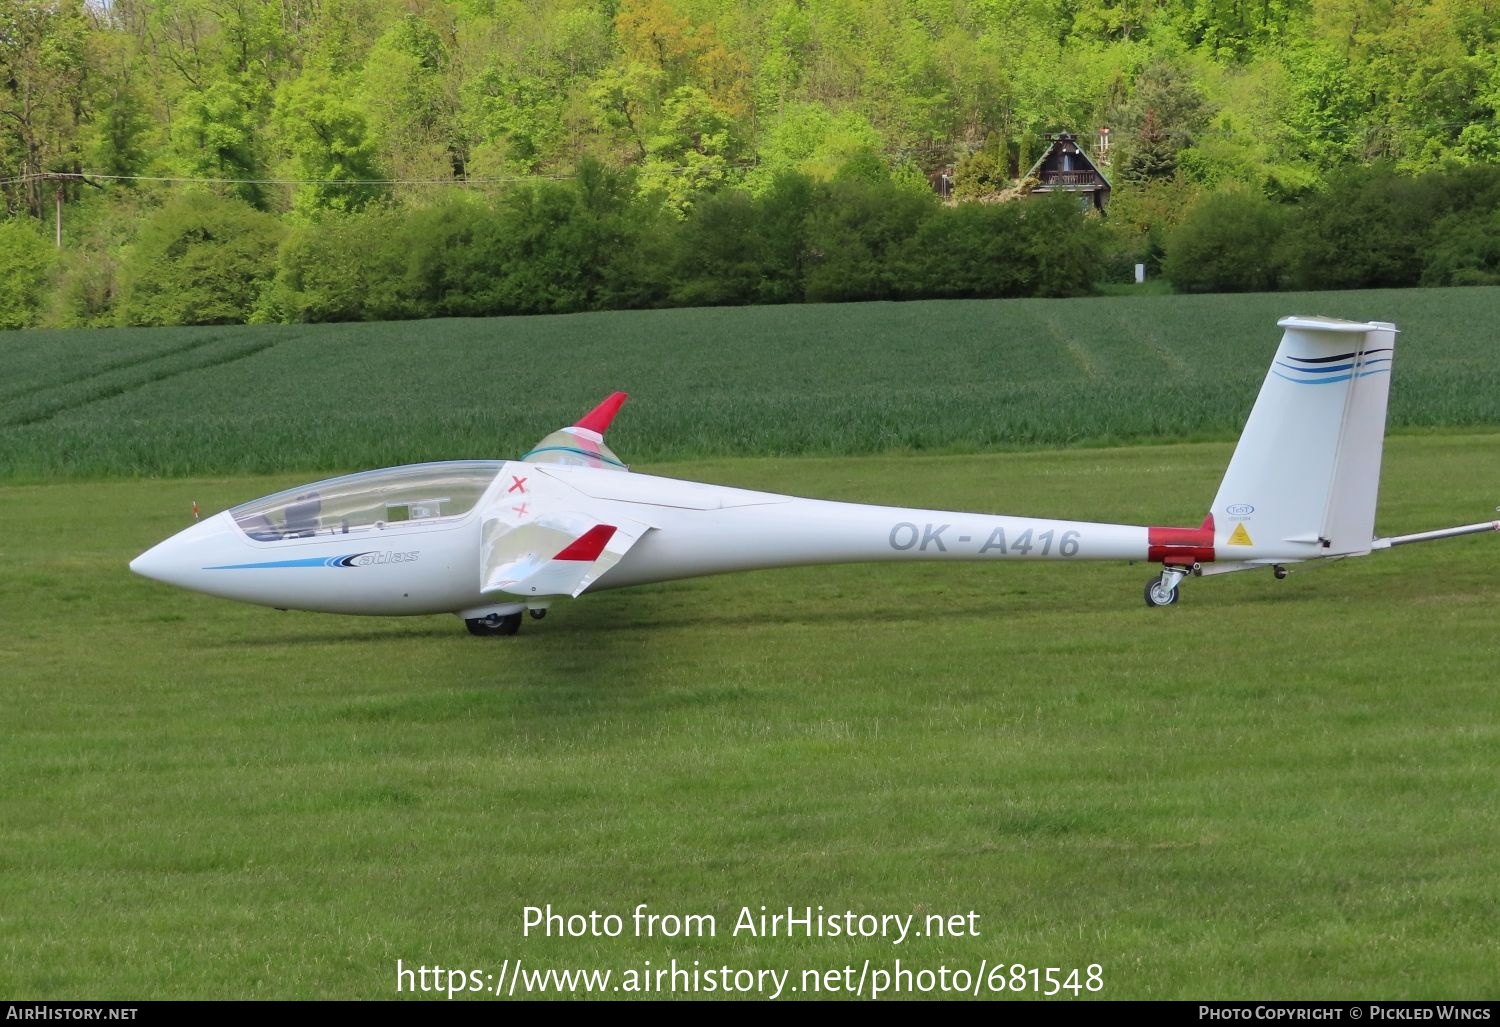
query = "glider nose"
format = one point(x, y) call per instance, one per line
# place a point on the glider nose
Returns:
point(151, 563)
point(180, 559)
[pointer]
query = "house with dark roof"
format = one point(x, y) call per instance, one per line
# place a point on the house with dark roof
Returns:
point(1067, 168)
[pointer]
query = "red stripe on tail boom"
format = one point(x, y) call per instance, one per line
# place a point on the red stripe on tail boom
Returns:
point(587, 547)
point(1182, 547)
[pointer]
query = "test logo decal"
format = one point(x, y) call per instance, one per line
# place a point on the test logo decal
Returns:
point(1239, 510)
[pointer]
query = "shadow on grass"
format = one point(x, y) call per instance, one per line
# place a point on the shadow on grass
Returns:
point(792, 614)
point(340, 638)
point(660, 610)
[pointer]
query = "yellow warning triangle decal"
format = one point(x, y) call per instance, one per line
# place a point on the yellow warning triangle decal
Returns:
point(1240, 537)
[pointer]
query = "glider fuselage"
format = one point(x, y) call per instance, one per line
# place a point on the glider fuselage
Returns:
point(432, 565)
point(493, 539)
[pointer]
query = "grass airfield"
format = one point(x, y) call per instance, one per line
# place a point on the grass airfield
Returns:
point(1272, 790)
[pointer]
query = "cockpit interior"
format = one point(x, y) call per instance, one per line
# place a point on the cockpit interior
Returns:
point(371, 501)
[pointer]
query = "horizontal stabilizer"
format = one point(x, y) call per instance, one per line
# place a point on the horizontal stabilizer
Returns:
point(553, 555)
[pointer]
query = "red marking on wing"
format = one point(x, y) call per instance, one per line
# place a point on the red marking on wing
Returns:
point(1182, 546)
point(598, 418)
point(517, 484)
point(589, 545)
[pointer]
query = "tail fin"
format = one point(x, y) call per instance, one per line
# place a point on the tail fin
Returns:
point(1304, 477)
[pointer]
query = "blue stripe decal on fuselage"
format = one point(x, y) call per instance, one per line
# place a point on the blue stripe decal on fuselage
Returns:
point(1335, 367)
point(1340, 356)
point(1330, 381)
point(314, 561)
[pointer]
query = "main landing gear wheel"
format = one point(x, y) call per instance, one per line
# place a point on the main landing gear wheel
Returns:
point(1162, 590)
point(1158, 594)
point(494, 624)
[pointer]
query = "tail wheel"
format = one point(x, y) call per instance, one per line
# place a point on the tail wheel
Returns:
point(1158, 594)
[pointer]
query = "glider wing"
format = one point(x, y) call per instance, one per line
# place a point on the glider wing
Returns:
point(554, 555)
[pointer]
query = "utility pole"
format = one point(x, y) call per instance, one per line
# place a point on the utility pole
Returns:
point(58, 178)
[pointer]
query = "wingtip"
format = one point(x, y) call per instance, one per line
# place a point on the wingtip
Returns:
point(599, 418)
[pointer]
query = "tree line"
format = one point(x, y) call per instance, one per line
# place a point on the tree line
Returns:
point(1369, 228)
point(596, 242)
point(592, 242)
point(379, 119)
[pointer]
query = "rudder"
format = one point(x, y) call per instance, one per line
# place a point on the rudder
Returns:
point(1305, 475)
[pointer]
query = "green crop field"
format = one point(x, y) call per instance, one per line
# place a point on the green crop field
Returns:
point(856, 378)
point(1274, 789)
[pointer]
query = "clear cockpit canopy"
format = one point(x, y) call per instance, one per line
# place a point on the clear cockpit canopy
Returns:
point(574, 447)
point(416, 493)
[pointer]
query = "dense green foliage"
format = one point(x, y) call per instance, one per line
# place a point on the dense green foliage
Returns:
point(1375, 228)
point(201, 259)
point(1231, 241)
point(595, 243)
point(1271, 790)
point(694, 92)
point(589, 131)
point(853, 378)
point(1370, 228)
point(25, 261)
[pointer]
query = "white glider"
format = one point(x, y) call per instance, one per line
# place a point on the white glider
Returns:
point(493, 539)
